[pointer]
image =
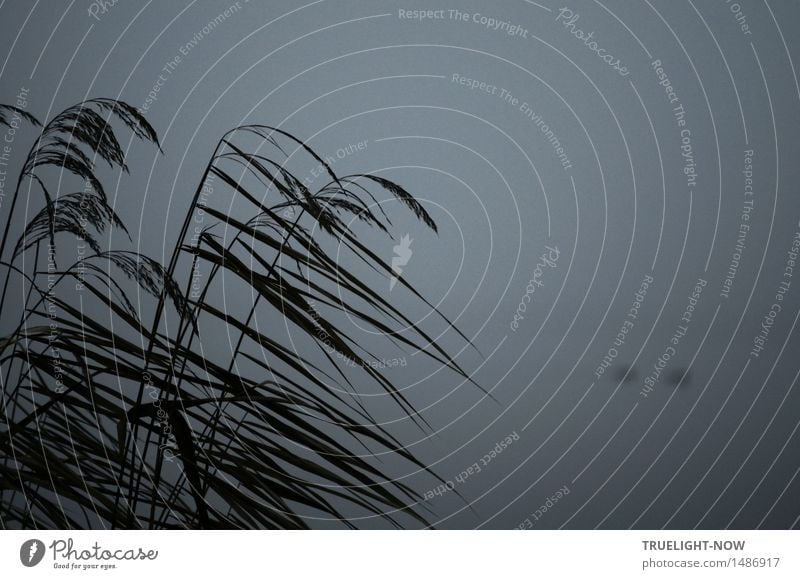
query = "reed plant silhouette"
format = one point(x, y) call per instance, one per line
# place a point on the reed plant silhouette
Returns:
point(219, 389)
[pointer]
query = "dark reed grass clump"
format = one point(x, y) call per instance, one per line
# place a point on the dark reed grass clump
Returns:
point(209, 391)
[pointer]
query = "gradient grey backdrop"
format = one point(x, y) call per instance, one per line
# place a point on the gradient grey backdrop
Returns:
point(715, 443)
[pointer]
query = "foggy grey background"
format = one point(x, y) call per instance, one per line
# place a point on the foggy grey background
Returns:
point(715, 448)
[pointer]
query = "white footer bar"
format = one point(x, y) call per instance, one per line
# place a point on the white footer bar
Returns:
point(406, 554)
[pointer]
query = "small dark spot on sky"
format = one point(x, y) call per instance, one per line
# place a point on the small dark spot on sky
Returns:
point(625, 373)
point(675, 376)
